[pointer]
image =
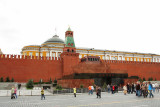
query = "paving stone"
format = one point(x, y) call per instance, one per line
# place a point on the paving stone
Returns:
point(82, 100)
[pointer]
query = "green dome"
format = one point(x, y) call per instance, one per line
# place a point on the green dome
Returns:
point(54, 39)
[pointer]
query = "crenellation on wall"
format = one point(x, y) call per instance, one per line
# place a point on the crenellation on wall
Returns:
point(24, 68)
point(20, 57)
point(129, 62)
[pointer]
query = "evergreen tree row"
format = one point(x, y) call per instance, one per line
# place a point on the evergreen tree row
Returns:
point(6, 80)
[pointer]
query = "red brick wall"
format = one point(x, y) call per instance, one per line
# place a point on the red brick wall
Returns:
point(126, 81)
point(70, 60)
point(24, 69)
point(71, 83)
point(140, 69)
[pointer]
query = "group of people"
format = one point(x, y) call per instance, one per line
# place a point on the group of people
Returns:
point(98, 91)
point(13, 93)
point(90, 90)
point(141, 89)
point(112, 88)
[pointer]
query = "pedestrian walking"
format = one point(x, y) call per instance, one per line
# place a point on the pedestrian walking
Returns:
point(92, 89)
point(108, 88)
point(153, 87)
point(15, 92)
point(89, 90)
point(42, 94)
point(125, 89)
point(12, 93)
point(157, 87)
point(74, 91)
point(132, 88)
point(99, 92)
point(150, 90)
point(113, 89)
point(144, 89)
point(138, 91)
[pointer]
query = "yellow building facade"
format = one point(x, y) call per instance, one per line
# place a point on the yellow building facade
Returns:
point(1, 52)
point(53, 47)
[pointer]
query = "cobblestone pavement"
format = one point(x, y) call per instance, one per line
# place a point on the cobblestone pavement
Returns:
point(82, 100)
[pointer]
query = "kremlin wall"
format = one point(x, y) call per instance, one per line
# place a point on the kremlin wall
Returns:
point(70, 70)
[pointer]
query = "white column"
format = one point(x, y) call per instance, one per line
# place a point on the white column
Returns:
point(123, 58)
point(109, 57)
point(56, 54)
point(104, 56)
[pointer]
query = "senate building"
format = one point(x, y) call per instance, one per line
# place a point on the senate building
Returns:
point(54, 47)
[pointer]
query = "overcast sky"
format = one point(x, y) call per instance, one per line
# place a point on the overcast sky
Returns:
point(121, 25)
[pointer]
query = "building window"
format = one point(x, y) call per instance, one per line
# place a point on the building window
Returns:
point(141, 59)
point(41, 54)
point(103, 58)
point(127, 59)
point(53, 54)
point(47, 54)
point(148, 60)
point(134, 59)
point(25, 53)
point(30, 53)
point(131, 59)
point(108, 57)
point(80, 56)
point(138, 59)
point(36, 53)
point(59, 54)
point(113, 58)
point(144, 60)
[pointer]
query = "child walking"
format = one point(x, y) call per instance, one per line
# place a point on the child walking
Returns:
point(42, 94)
point(74, 91)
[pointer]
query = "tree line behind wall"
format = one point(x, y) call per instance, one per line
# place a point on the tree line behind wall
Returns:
point(6, 79)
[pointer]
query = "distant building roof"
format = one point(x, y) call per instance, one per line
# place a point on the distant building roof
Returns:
point(54, 39)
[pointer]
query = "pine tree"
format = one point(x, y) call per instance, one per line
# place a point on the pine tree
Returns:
point(140, 79)
point(81, 86)
point(104, 85)
point(40, 81)
point(7, 79)
point(29, 84)
point(144, 79)
point(50, 81)
point(12, 80)
point(1, 79)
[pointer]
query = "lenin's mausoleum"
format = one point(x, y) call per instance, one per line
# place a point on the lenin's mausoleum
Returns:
point(73, 66)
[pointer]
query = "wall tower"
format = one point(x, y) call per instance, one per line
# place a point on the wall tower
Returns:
point(69, 56)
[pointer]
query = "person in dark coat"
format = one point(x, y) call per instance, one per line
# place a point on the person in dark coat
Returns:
point(99, 92)
point(138, 87)
point(128, 88)
point(132, 88)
